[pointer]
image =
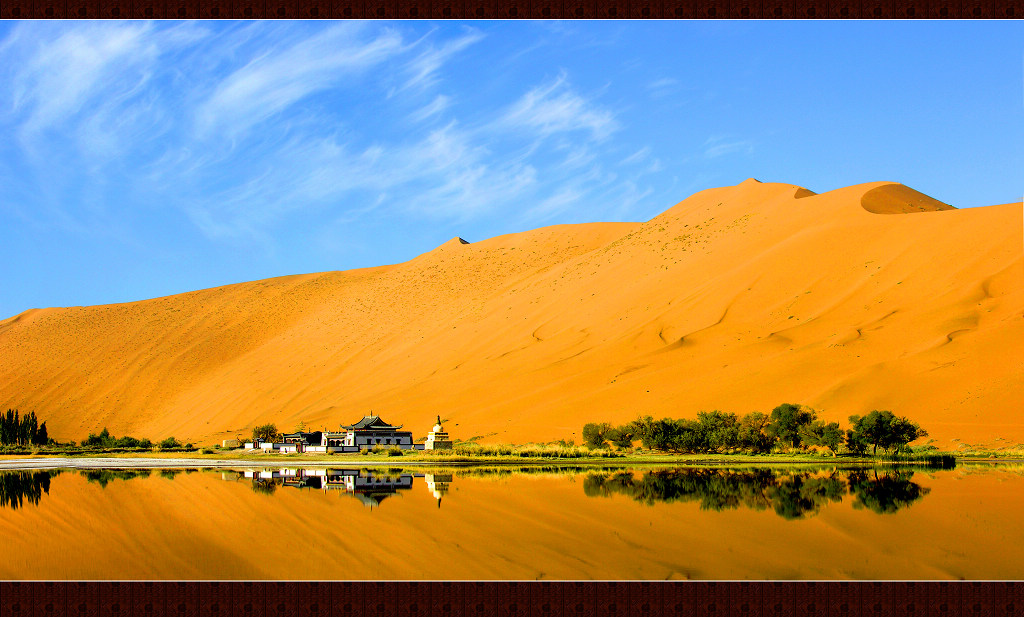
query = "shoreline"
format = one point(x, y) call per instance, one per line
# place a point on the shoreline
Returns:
point(23, 464)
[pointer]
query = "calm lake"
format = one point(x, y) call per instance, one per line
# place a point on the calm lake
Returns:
point(514, 523)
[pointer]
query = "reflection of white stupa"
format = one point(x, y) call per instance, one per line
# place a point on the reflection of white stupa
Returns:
point(437, 439)
point(437, 484)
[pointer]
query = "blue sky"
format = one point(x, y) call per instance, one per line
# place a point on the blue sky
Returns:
point(145, 159)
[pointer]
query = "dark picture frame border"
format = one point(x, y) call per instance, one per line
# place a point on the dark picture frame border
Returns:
point(510, 9)
point(521, 598)
point(511, 599)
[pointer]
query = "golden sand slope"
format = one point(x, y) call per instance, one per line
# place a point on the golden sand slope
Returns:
point(738, 298)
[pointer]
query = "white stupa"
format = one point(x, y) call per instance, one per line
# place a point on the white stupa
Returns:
point(437, 439)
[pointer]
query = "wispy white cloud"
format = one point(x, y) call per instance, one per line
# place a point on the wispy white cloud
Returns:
point(444, 174)
point(422, 70)
point(717, 146)
point(556, 108)
point(62, 76)
point(262, 126)
point(278, 78)
point(663, 87)
point(439, 104)
point(637, 157)
point(561, 200)
point(576, 155)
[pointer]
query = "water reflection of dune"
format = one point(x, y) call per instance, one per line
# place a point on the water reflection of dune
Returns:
point(792, 495)
point(522, 526)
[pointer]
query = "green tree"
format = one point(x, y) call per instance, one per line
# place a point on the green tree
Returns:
point(716, 431)
point(103, 439)
point(886, 430)
point(594, 434)
point(169, 443)
point(643, 429)
point(902, 431)
point(621, 436)
point(818, 433)
point(266, 432)
point(41, 436)
point(27, 429)
point(753, 435)
point(854, 441)
point(787, 420)
point(663, 434)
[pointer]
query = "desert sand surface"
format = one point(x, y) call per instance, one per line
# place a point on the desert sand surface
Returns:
point(739, 298)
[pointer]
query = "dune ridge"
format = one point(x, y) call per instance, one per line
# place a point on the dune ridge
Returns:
point(738, 298)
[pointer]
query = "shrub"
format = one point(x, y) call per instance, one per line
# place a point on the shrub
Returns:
point(394, 451)
point(207, 451)
point(170, 443)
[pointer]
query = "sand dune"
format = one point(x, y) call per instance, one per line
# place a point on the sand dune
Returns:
point(738, 298)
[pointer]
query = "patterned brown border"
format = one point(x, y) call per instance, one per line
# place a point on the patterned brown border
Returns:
point(520, 599)
point(509, 9)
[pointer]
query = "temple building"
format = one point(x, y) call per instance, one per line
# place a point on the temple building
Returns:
point(437, 439)
point(372, 431)
point(369, 432)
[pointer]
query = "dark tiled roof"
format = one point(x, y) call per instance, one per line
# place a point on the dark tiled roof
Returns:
point(370, 422)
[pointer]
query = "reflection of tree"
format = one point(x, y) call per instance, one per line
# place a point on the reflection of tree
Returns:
point(170, 474)
point(715, 489)
point(885, 494)
point(106, 476)
point(797, 495)
point(792, 495)
point(17, 487)
point(264, 486)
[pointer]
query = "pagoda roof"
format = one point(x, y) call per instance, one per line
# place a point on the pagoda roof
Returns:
point(370, 422)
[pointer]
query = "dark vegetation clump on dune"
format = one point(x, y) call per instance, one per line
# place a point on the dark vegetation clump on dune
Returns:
point(25, 434)
point(19, 430)
point(788, 428)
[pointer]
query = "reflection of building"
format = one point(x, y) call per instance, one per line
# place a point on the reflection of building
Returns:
point(437, 484)
point(369, 488)
point(437, 439)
